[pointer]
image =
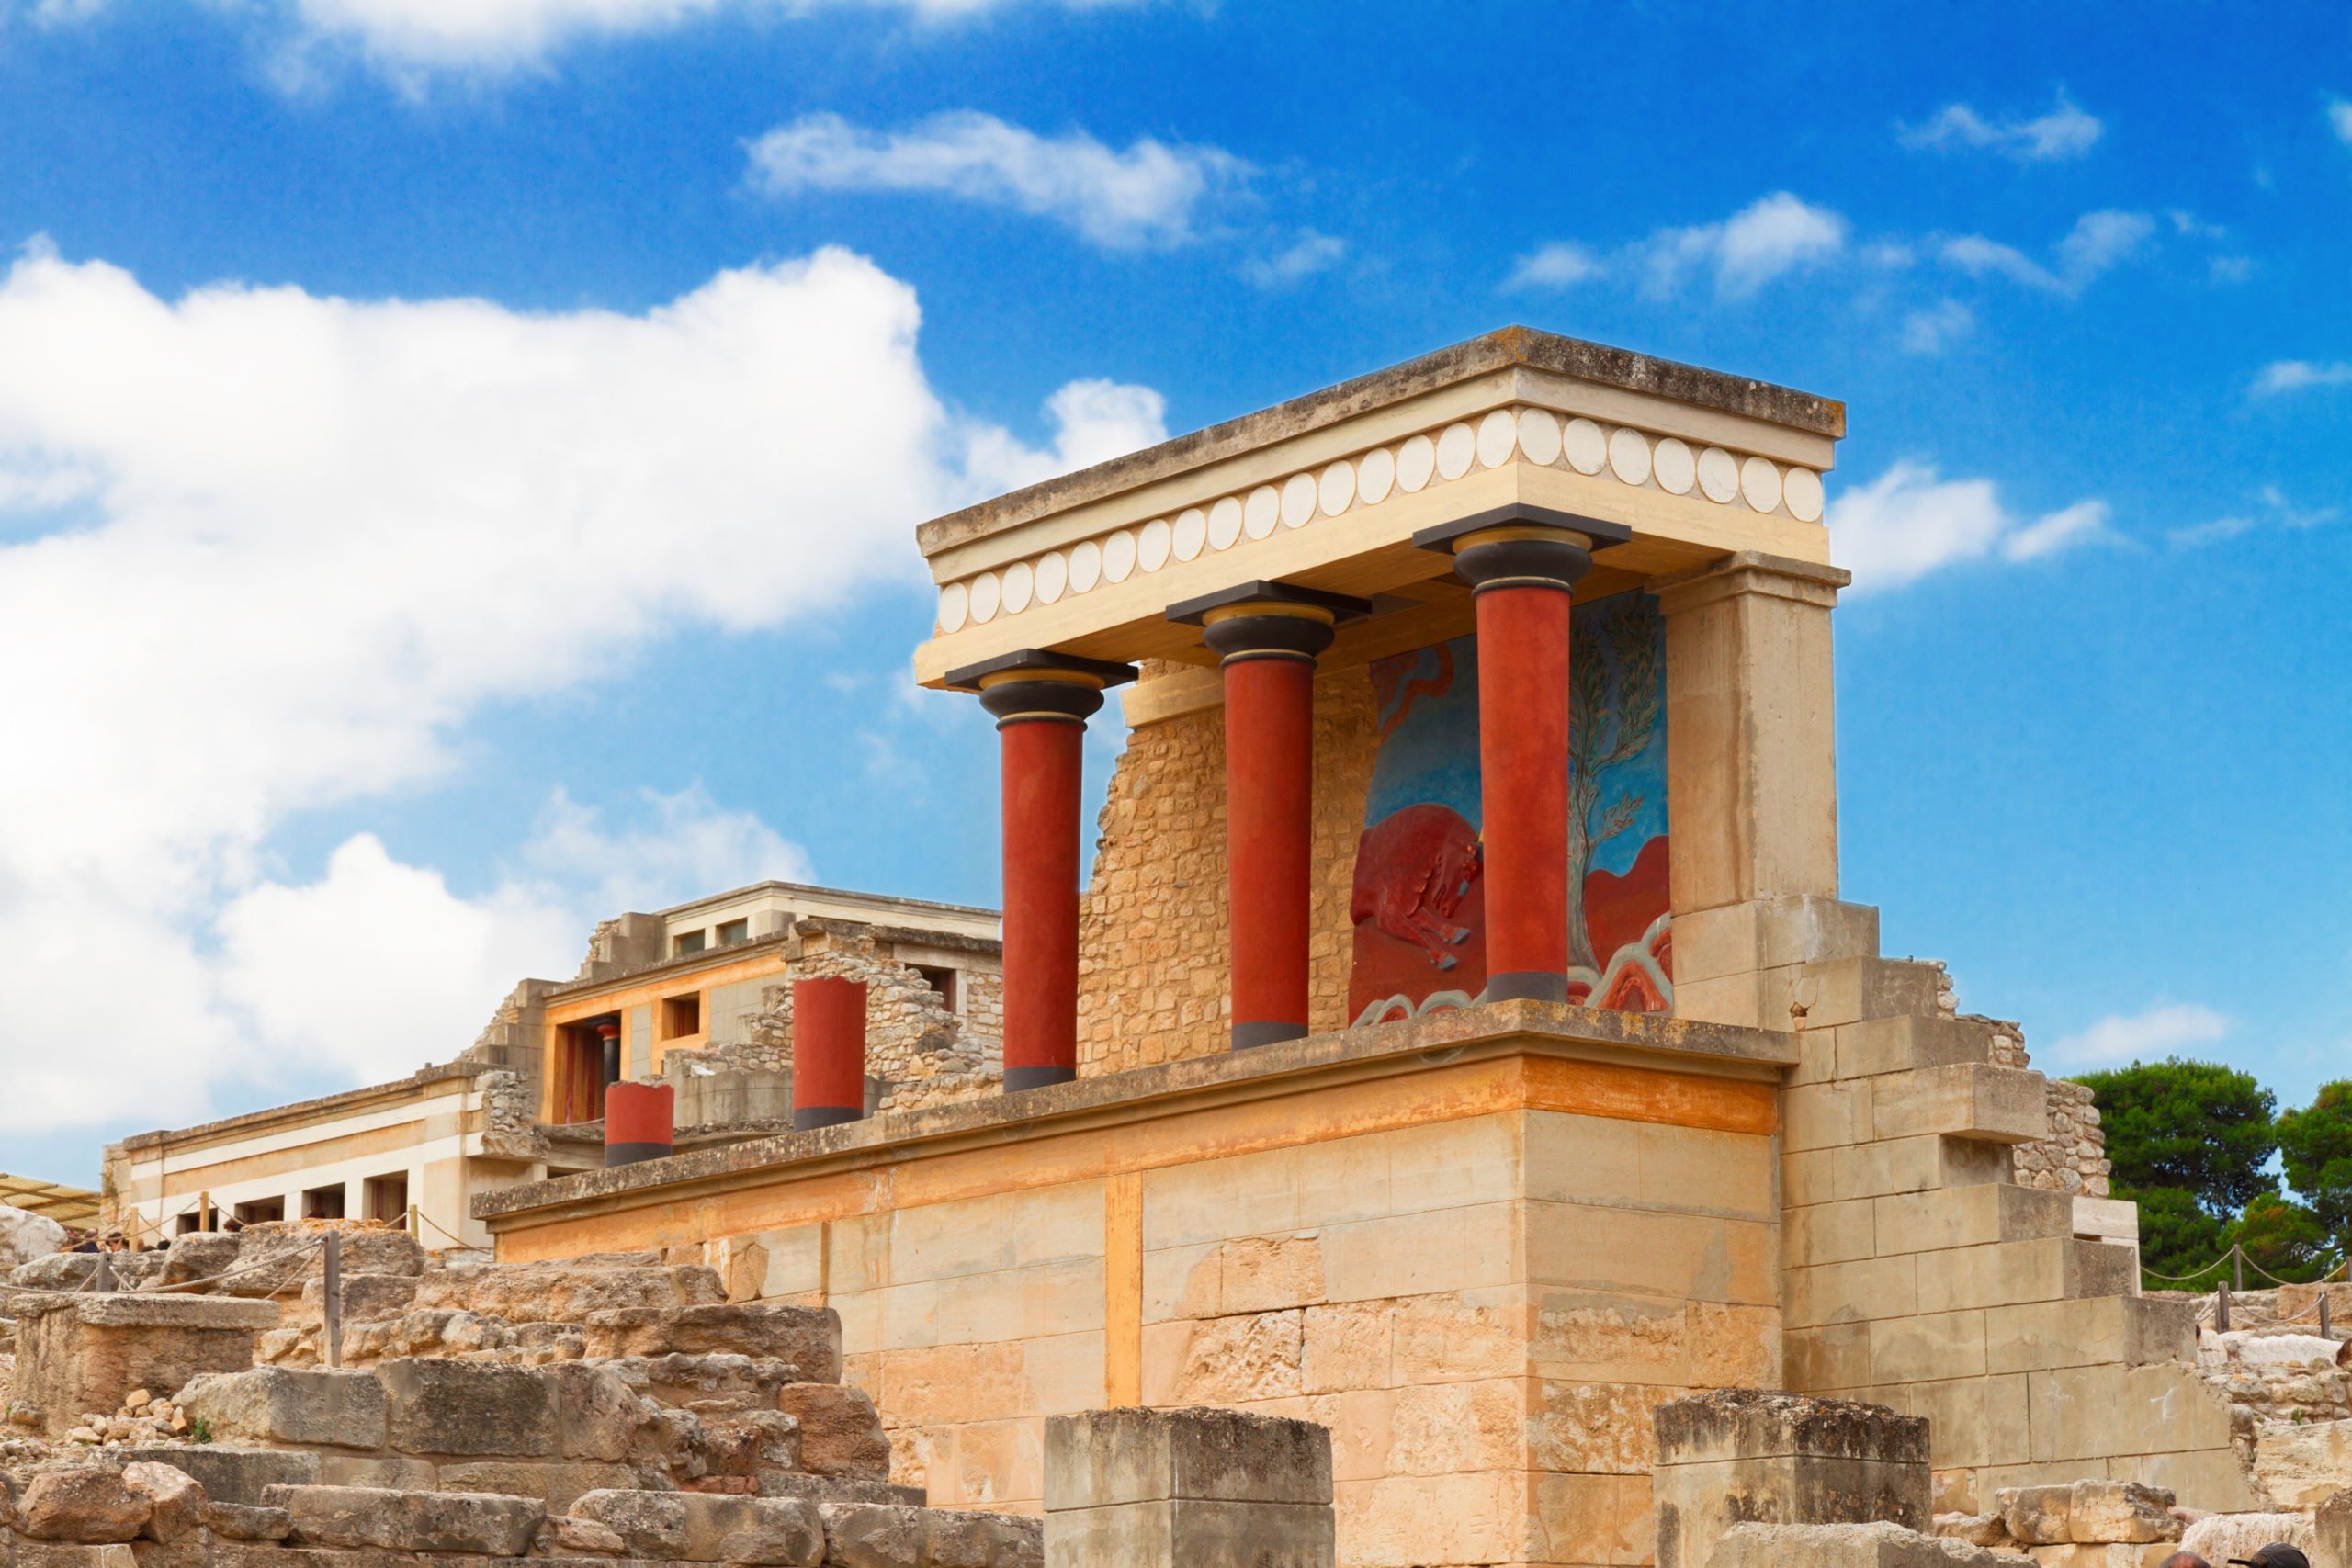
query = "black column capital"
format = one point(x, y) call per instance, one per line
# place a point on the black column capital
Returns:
point(1522, 547)
point(1038, 684)
point(1267, 620)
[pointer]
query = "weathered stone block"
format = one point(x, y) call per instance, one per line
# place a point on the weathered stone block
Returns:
point(376, 1518)
point(2036, 1516)
point(808, 1337)
point(281, 1405)
point(1879, 1545)
point(598, 1415)
point(1973, 1101)
point(469, 1407)
point(2332, 1530)
point(83, 1507)
point(85, 1352)
point(1191, 1532)
point(868, 1536)
point(239, 1521)
point(231, 1474)
point(2133, 1330)
point(65, 1554)
point(2217, 1537)
point(1748, 1455)
point(2119, 1511)
point(178, 1507)
point(1104, 1457)
point(557, 1486)
point(841, 1433)
point(706, 1528)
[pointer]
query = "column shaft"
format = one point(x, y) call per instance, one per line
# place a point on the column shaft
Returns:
point(828, 1052)
point(1041, 758)
point(1523, 762)
point(1269, 773)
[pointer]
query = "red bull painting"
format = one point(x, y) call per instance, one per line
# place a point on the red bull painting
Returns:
point(1418, 904)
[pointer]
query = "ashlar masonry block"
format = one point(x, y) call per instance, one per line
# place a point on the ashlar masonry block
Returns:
point(1970, 1216)
point(1739, 1456)
point(1965, 1099)
point(1770, 934)
point(1915, 1165)
point(85, 1352)
point(1187, 1489)
point(2113, 1329)
point(1906, 1040)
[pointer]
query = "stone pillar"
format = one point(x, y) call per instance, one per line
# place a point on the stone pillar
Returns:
point(1751, 727)
point(641, 1122)
point(1266, 636)
point(1751, 1456)
point(1202, 1488)
point(1041, 702)
point(828, 1052)
point(1522, 563)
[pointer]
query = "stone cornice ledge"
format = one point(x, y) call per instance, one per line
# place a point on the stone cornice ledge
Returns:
point(1651, 1041)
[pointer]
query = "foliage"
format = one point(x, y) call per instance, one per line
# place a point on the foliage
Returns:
point(2283, 1238)
point(200, 1430)
point(2176, 1235)
point(2195, 1127)
point(2315, 1144)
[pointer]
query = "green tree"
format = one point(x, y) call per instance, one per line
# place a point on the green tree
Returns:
point(2194, 1127)
point(2283, 1238)
point(2176, 1236)
point(2315, 1144)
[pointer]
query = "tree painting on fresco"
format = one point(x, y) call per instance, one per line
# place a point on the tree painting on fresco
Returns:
point(1418, 904)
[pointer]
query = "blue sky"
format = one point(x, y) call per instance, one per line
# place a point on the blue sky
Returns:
point(457, 463)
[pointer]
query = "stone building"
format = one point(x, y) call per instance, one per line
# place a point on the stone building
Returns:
point(697, 995)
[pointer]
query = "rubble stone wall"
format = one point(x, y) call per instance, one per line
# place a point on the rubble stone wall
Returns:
point(922, 1051)
point(2073, 1157)
point(1153, 952)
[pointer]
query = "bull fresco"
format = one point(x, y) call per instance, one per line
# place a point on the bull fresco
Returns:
point(1418, 905)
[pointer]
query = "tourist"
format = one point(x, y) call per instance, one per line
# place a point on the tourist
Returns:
point(2278, 1555)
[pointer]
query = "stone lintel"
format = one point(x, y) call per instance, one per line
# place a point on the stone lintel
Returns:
point(145, 1309)
point(1751, 571)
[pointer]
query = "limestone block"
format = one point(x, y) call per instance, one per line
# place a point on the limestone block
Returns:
point(598, 1414)
point(240, 1521)
point(706, 1527)
point(1677, 1257)
point(2103, 1511)
point(64, 1555)
point(1770, 934)
point(571, 1535)
point(385, 1471)
point(1830, 1358)
point(2332, 1530)
point(1103, 1458)
point(1580, 1335)
point(1827, 1115)
point(1927, 1347)
point(179, 1509)
point(366, 1296)
point(1347, 1345)
point(839, 1432)
point(1589, 1428)
point(874, 1536)
point(408, 1521)
point(557, 1484)
point(469, 1407)
point(1899, 1043)
point(24, 1236)
point(1847, 1293)
point(2098, 1412)
point(1880, 1545)
point(2209, 1478)
point(1970, 1216)
point(83, 1506)
point(1976, 1529)
point(281, 1405)
point(1847, 990)
point(1583, 1519)
point(2133, 1330)
point(1225, 1361)
point(78, 1353)
point(2036, 1516)
point(808, 1337)
point(1832, 1233)
point(2150, 1555)
point(1974, 1101)
point(1973, 1420)
point(1436, 1429)
point(1410, 1255)
point(2217, 1537)
point(1914, 1164)
point(1734, 1455)
point(231, 1474)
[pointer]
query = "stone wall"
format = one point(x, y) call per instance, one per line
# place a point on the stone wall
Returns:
point(922, 1052)
point(2073, 1157)
point(1153, 954)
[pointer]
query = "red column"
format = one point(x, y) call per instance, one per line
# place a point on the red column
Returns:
point(1522, 575)
point(1041, 712)
point(638, 1122)
point(1269, 664)
point(828, 1052)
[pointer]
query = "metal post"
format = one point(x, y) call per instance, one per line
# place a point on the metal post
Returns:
point(2221, 1310)
point(333, 1294)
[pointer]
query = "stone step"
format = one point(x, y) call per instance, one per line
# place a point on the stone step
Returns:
point(807, 1337)
point(388, 1520)
point(565, 1293)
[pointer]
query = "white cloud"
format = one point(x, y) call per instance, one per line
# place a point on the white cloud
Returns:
point(1093, 421)
point(2339, 119)
point(1146, 195)
point(2301, 375)
point(2095, 244)
point(2065, 132)
point(1933, 330)
point(2275, 511)
point(1908, 523)
point(1310, 254)
point(2160, 1031)
point(1558, 265)
point(302, 539)
point(410, 39)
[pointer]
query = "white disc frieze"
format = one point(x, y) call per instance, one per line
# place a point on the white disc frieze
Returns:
point(1337, 490)
point(1457, 448)
point(1718, 475)
point(1416, 461)
point(1299, 500)
point(1759, 481)
point(1628, 455)
point(1800, 492)
point(1539, 435)
point(1020, 581)
point(1261, 511)
point(954, 606)
point(986, 594)
point(1153, 544)
point(1085, 566)
point(1119, 556)
point(1673, 467)
point(1497, 436)
point(1224, 522)
point(1191, 533)
point(1586, 445)
point(1376, 476)
point(1053, 576)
